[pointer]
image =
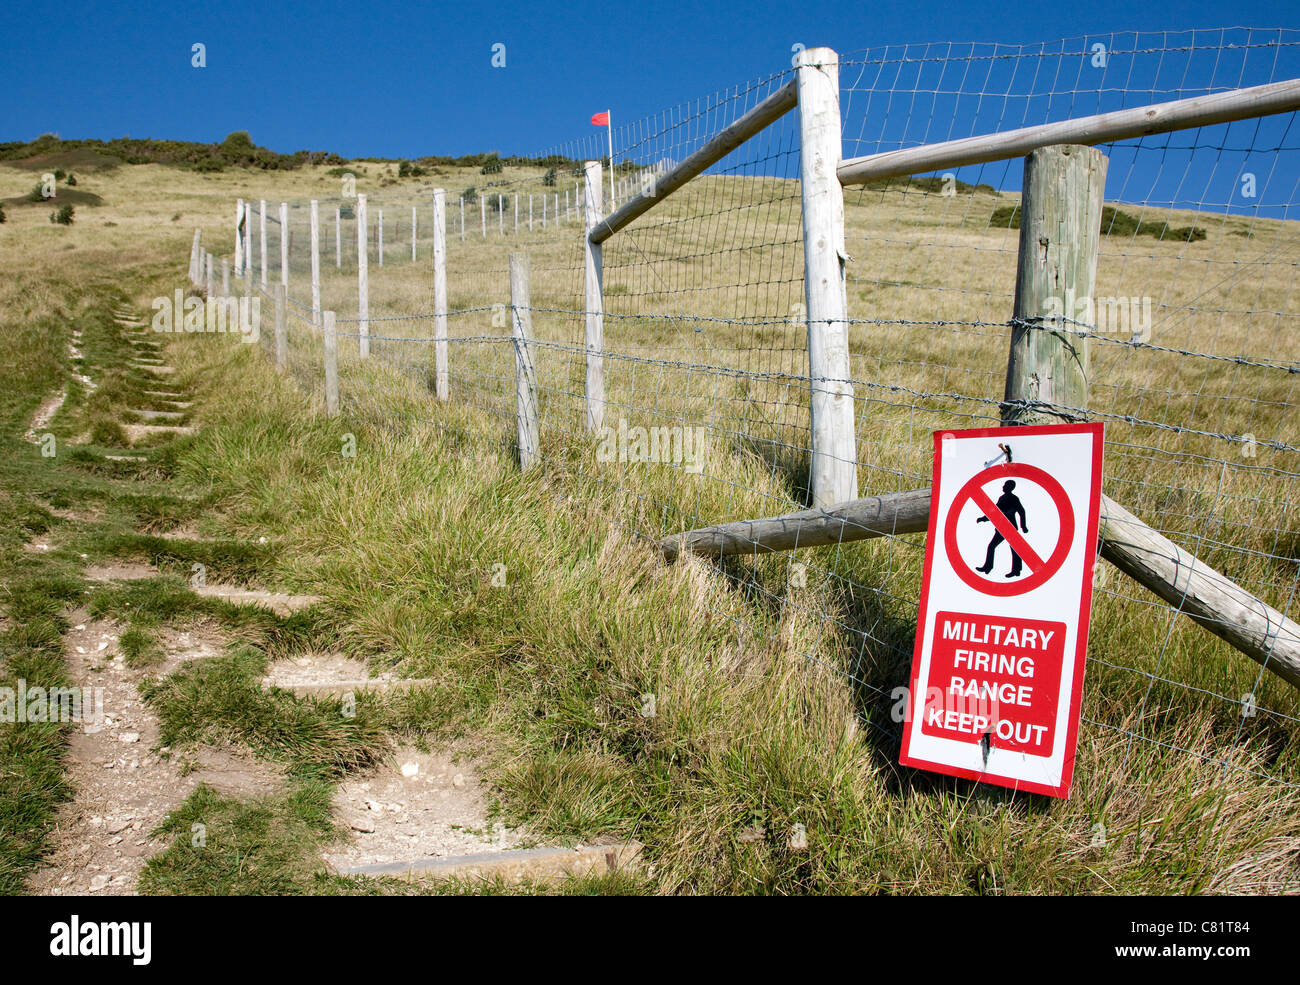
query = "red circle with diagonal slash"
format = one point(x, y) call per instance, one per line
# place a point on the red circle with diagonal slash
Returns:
point(1040, 570)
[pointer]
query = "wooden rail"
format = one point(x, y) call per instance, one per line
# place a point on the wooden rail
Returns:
point(1188, 584)
point(772, 108)
point(1178, 114)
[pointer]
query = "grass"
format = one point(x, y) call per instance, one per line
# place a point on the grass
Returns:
point(770, 696)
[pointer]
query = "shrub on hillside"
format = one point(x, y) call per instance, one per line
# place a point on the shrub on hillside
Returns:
point(470, 194)
point(1114, 222)
point(63, 216)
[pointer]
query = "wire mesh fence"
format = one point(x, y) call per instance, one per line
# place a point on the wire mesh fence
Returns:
point(1194, 350)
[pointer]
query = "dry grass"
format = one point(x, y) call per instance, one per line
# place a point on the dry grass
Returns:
point(760, 725)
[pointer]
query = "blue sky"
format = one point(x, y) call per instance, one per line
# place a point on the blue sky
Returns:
point(402, 79)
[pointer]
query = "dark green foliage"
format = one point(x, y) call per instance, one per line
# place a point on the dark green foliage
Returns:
point(63, 216)
point(1114, 222)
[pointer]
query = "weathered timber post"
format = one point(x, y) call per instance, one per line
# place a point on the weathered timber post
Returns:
point(834, 473)
point(594, 280)
point(440, 293)
point(284, 243)
point(261, 223)
point(239, 236)
point(281, 327)
point(1060, 227)
point(315, 262)
point(225, 277)
point(331, 365)
point(363, 280)
point(196, 253)
point(521, 328)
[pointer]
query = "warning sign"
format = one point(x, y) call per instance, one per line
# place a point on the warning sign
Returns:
point(1002, 631)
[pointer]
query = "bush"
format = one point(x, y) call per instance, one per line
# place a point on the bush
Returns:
point(345, 212)
point(470, 194)
point(549, 179)
point(72, 181)
point(499, 203)
point(2, 213)
point(37, 194)
point(492, 166)
point(64, 216)
point(1114, 222)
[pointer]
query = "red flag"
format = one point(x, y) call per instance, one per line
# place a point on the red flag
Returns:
point(600, 119)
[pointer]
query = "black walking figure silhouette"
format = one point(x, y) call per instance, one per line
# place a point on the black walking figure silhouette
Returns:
point(1009, 506)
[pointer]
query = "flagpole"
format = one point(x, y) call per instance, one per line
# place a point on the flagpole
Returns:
point(609, 122)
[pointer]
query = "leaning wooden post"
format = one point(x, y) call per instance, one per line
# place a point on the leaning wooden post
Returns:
point(281, 327)
point(331, 365)
point(196, 253)
point(239, 236)
point(284, 243)
point(594, 280)
point(315, 262)
point(440, 385)
point(261, 223)
point(363, 280)
point(521, 325)
point(1060, 228)
point(834, 473)
point(225, 277)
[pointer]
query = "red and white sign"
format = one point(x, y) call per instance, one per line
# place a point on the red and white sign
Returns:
point(997, 673)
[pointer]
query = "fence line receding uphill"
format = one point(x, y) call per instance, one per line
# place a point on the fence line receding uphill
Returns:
point(764, 306)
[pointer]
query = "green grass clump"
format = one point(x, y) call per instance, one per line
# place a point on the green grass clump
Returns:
point(221, 699)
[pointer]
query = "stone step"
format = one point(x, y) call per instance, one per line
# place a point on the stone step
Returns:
point(157, 415)
point(336, 689)
point(515, 865)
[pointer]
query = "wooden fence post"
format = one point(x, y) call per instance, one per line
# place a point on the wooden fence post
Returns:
point(516, 211)
point(521, 329)
point(363, 280)
point(212, 280)
point(239, 236)
point(462, 217)
point(1060, 229)
point(261, 222)
point(225, 277)
point(834, 473)
point(315, 262)
point(196, 248)
point(530, 213)
point(338, 237)
point(284, 243)
point(331, 365)
point(501, 215)
point(482, 214)
point(380, 233)
point(413, 221)
point(440, 385)
point(595, 304)
point(281, 327)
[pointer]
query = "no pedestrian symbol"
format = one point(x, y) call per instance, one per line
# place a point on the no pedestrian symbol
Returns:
point(1002, 627)
point(1004, 515)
